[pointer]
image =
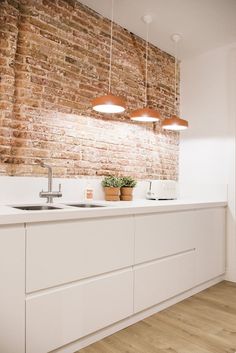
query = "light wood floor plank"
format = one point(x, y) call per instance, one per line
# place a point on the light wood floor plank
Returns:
point(203, 323)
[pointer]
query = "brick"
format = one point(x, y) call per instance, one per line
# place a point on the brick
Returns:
point(54, 60)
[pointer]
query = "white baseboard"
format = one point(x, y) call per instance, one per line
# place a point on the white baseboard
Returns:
point(97, 336)
point(230, 276)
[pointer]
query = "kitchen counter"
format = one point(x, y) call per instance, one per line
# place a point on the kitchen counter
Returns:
point(73, 275)
point(9, 215)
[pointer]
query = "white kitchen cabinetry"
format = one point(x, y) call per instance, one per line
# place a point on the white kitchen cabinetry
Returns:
point(12, 292)
point(163, 234)
point(210, 244)
point(64, 252)
point(160, 280)
point(72, 280)
point(62, 316)
point(175, 252)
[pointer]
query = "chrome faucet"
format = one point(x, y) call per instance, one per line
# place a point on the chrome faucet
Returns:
point(49, 194)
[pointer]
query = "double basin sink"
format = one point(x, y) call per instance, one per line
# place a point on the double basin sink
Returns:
point(46, 207)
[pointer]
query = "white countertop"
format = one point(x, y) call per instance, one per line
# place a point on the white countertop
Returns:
point(9, 215)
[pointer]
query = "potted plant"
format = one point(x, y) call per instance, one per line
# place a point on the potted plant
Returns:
point(127, 186)
point(112, 186)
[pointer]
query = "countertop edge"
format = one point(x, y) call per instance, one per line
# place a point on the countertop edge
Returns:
point(113, 210)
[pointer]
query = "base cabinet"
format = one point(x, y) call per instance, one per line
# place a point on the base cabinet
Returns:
point(175, 252)
point(164, 234)
point(210, 244)
point(12, 293)
point(63, 281)
point(160, 280)
point(62, 316)
point(63, 252)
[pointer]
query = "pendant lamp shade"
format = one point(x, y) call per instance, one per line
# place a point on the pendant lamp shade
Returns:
point(145, 115)
point(175, 123)
point(108, 104)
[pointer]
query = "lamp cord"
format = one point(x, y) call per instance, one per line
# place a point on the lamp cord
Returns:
point(176, 77)
point(111, 44)
point(146, 65)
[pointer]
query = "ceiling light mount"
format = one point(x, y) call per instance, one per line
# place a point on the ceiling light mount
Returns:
point(176, 37)
point(147, 19)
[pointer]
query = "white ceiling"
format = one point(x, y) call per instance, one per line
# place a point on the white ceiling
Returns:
point(203, 24)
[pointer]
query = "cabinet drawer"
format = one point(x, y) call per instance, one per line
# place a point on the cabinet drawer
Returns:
point(62, 316)
point(163, 279)
point(164, 234)
point(58, 253)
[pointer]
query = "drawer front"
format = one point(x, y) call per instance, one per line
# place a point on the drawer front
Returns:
point(62, 316)
point(164, 234)
point(160, 280)
point(211, 245)
point(58, 253)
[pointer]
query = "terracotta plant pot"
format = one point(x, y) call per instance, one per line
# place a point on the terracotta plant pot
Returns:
point(126, 194)
point(112, 194)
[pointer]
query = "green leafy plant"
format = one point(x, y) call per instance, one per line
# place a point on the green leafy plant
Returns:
point(111, 182)
point(128, 182)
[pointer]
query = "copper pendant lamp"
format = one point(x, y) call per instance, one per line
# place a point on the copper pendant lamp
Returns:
point(109, 103)
point(146, 114)
point(175, 123)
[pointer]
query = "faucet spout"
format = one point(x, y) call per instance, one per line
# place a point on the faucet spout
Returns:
point(49, 168)
point(49, 194)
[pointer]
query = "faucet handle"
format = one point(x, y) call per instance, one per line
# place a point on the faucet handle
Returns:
point(60, 187)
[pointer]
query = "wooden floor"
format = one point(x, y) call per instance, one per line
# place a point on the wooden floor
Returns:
point(204, 323)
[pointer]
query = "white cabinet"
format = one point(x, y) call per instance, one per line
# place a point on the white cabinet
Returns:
point(64, 252)
point(64, 315)
point(12, 293)
point(175, 252)
point(62, 281)
point(210, 244)
point(162, 279)
point(163, 234)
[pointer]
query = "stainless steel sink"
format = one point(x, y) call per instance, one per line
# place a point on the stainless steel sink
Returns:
point(36, 208)
point(85, 205)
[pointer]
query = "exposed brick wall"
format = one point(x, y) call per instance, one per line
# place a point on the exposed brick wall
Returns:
point(9, 19)
point(54, 60)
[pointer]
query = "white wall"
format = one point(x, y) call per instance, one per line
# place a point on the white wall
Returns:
point(15, 190)
point(207, 149)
